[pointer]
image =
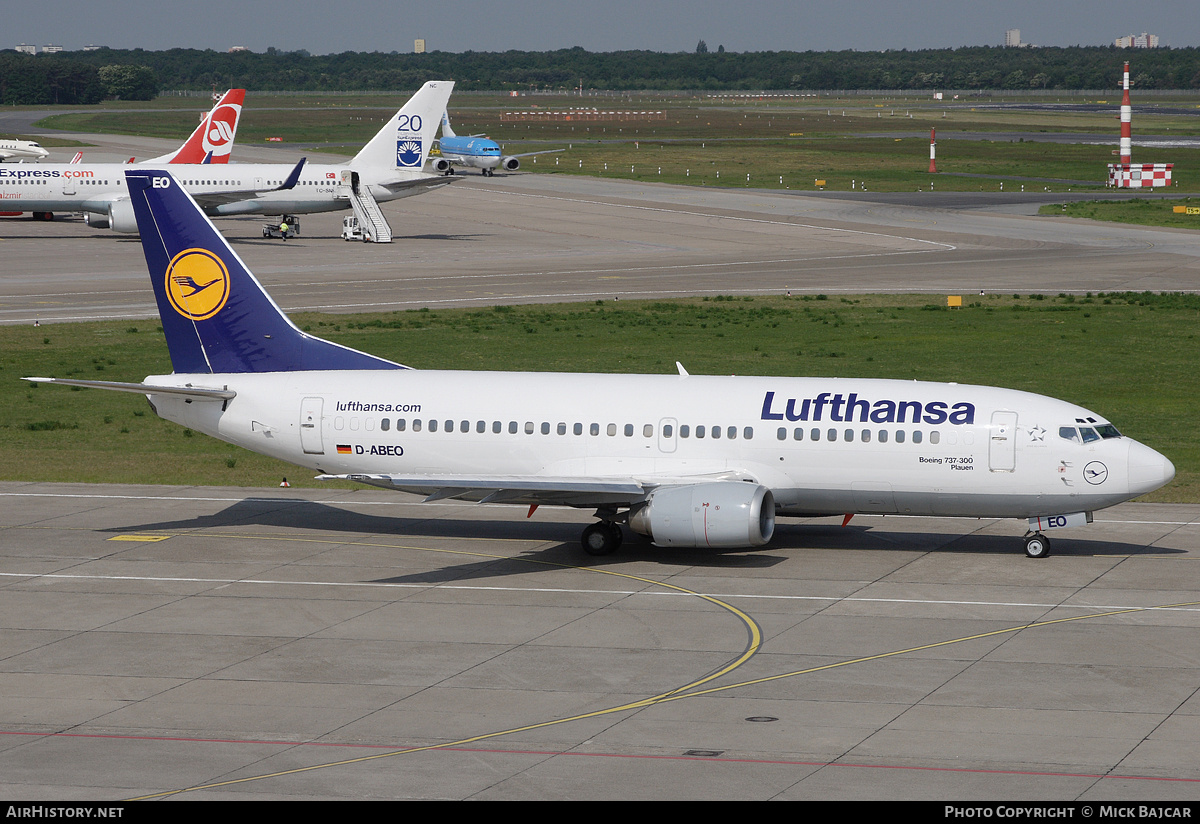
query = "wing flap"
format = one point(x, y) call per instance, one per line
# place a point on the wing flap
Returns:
point(515, 489)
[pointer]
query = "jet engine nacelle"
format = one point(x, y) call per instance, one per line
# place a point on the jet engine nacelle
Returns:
point(120, 218)
point(96, 220)
point(510, 164)
point(719, 514)
point(440, 164)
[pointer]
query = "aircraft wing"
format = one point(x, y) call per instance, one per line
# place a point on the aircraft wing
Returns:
point(210, 200)
point(531, 154)
point(428, 182)
point(572, 490)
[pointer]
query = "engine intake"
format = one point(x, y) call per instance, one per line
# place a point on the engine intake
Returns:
point(719, 514)
point(510, 164)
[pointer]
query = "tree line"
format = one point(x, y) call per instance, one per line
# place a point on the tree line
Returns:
point(90, 76)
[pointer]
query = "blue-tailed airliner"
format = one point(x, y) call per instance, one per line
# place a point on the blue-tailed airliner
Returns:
point(474, 151)
point(688, 460)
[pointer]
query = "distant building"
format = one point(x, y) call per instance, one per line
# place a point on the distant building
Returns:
point(1140, 41)
point(90, 47)
point(51, 49)
point(1012, 38)
point(27, 49)
point(234, 49)
point(419, 45)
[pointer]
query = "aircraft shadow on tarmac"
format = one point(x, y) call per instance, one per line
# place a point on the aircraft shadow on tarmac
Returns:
point(563, 539)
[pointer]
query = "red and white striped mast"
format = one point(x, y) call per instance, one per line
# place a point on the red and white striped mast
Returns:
point(1126, 123)
point(932, 154)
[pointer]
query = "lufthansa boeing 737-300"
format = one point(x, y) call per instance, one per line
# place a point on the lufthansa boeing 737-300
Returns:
point(688, 460)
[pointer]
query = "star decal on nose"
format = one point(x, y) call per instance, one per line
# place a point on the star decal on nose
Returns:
point(1037, 434)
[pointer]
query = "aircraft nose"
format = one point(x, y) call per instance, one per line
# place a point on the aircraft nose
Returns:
point(1148, 469)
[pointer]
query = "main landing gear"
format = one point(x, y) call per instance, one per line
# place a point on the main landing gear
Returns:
point(602, 538)
point(1037, 545)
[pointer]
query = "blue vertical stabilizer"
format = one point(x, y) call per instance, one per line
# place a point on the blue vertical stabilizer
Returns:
point(215, 314)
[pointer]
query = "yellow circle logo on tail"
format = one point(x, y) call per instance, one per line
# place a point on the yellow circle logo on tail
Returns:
point(197, 284)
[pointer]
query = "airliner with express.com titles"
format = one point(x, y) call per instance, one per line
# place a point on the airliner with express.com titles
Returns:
point(388, 167)
point(211, 142)
point(688, 460)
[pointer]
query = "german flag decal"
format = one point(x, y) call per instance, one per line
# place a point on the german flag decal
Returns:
point(344, 449)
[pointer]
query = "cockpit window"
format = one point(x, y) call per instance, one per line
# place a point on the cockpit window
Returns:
point(1088, 434)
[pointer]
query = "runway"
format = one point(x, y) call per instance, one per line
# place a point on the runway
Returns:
point(172, 642)
point(206, 643)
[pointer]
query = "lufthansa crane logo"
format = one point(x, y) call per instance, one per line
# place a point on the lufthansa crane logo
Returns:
point(1095, 473)
point(197, 284)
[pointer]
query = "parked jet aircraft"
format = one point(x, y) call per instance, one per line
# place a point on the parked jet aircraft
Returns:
point(475, 151)
point(388, 167)
point(21, 150)
point(688, 460)
point(211, 142)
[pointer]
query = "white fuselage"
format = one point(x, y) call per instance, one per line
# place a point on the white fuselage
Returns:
point(821, 445)
point(92, 187)
point(21, 150)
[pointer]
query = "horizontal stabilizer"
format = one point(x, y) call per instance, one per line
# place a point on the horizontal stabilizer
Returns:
point(195, 392)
